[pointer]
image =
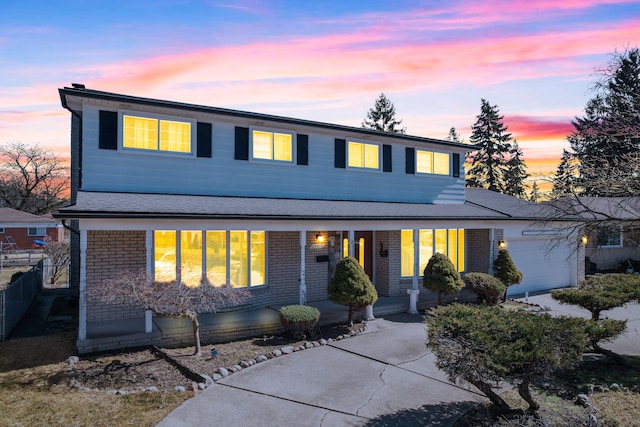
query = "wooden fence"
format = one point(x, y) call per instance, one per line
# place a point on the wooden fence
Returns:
point(18, 296)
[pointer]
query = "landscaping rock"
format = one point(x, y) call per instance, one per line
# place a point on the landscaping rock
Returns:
point(223, 371)
point(614, 387)
point(72, 360)
point(582, 399)
point(261, 358)
point(152, 389)
point(207, 379)
point(244, 364)
point(180, 388)
point(276, 353)
point(308, 345)
point(236, 368)
point(323, 342)
point(202, 386)
point(287, 350)
point(217, 377)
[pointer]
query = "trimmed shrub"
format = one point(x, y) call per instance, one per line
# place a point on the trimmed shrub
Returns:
point(351, 286)
point(485, 345)
point(600, 293)
point(487, 287)
point(299, 320)
point(441, 276)
point(506, 270)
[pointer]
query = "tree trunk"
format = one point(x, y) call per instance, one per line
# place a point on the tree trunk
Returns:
point(196, 335)
point(350, 313)
point(498, 401)
point(619, 360)
point(525, 393)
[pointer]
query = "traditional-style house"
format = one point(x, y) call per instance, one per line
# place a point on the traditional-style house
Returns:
point(272, 204)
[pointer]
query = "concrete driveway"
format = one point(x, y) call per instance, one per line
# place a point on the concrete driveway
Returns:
point(385, 376)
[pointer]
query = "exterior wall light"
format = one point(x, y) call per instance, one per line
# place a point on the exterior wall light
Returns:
point(320, 238)
point(584, 240)
point(502, 244)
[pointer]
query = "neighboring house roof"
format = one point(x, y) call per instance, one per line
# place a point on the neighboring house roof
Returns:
point(599, 208)
point(11, 218)
point(482, 204)
point(108, 96)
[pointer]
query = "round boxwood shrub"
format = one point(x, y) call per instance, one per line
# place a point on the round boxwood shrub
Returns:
point(299, 320)
point(487, 287)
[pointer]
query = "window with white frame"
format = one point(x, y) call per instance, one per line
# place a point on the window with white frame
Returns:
point(449, 242)
point(234, 258)
point(610, 236)
point(267, 145)
point(37, 231)
point(156, 134)
point(362, 155)
point(432, 162)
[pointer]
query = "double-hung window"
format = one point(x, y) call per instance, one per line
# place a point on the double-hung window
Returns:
point(234, 258)
point(277, 146)
point(449, 242)
point(156, 134)
point(432, 162)
point(362, 155)
point(37, 232)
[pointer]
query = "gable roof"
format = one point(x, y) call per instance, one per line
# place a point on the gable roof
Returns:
point(109, 96)
point(12, 217)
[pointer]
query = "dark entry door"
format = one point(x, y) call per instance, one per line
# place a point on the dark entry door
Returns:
point(363, 248)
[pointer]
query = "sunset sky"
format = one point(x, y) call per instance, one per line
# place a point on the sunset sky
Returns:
point(319, 60)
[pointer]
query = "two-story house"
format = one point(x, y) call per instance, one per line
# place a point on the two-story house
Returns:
point(272, 204)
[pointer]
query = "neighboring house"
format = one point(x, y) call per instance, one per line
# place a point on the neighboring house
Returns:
point(612, 229)
point(272, 204)
point(21, 230)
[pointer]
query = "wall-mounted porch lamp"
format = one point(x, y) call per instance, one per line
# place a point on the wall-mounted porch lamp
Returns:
point(584, 240)
point(502, 244)
point(320, 238)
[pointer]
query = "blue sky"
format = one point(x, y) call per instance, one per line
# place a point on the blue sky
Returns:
point(320, 60)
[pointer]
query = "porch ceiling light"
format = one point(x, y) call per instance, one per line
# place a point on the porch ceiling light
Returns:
point(502, 244)
point(320, 238)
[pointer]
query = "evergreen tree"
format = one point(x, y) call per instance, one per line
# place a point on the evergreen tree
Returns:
point(382, 117)
point(454, 137)
point(515, 173)
point(535, 193)
point(351, 286)
point(506, 270)
point(489, 163)
point(564, 182)
point(610, 129)
point(441, 276)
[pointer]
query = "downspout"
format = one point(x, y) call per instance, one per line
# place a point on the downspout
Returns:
point(68, 227)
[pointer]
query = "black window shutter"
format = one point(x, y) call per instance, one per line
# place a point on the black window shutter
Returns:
point(204, 139)
point(302, 149)
point(455, 158)
point(386, 158)
point(341, 153)
point(411, 160)
point(242, 143)
point(108, 130)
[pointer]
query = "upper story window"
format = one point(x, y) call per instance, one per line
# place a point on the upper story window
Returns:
point(432, 162)
point(276, 146)
point(145, 133)
point(361, 155)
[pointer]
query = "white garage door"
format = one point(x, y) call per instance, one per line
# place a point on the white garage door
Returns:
point(542, 268)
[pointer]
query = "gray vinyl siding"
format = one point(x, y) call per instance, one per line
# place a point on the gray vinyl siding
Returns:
point(221, 175)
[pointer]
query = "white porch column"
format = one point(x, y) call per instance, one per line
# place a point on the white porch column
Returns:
point(414, 291)
point(148, 314)
point(82, 312)
point(303, 279)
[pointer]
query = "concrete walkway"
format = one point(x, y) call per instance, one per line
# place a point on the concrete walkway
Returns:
point(385, 376)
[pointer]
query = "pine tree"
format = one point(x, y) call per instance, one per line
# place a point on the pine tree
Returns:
point(454, 137)
point(506, 270)
point(609, 132)
point(382, 117)
point(441, 276)
point(535, 193)
point(515, 173)
point(488, 163)
point(564, 182)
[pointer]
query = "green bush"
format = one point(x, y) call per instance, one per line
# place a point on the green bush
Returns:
point(299, 320)
point(487, 287)
point(486, 345)
point(506, 270)
point(600, 293)
point(351, 286)
point(441, 276)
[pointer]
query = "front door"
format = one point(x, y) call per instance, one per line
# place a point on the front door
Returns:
point(363, 248)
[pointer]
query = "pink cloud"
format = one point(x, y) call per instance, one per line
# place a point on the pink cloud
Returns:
point(533, 128)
